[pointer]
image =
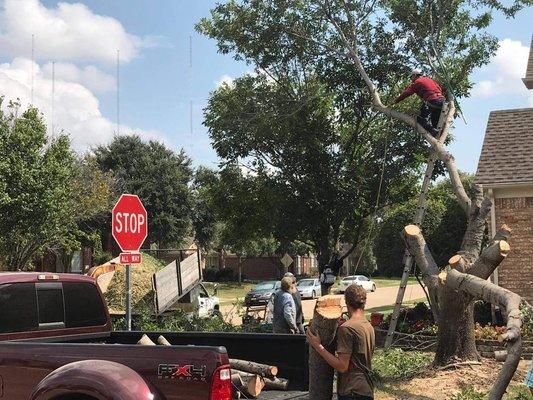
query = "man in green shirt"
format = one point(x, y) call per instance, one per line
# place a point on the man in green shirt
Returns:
point(355, 346)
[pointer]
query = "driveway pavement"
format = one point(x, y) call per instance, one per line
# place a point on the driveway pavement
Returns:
point(381, 297)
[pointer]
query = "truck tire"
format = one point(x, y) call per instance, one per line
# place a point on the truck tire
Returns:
point(93, 380)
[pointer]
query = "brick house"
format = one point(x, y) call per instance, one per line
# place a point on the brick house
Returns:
point(505, 170)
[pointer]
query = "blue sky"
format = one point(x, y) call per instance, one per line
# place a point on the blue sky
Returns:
point(157, 84)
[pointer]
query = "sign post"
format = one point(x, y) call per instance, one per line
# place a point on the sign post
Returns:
point(129, 226)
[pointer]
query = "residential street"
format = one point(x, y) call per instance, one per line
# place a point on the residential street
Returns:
point(381, 297)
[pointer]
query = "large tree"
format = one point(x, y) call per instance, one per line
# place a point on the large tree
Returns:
point(159, 176)
point(36, 197)
point(445, 37)
point(293, 134)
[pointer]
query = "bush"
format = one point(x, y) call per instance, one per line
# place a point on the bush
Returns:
point(468, 393)
point(214, 274)
point(396, 364)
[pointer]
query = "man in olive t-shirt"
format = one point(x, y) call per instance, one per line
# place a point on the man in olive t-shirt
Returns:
point(355, 346)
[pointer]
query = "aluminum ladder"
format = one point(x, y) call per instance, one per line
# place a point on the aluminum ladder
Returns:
point(417, 220)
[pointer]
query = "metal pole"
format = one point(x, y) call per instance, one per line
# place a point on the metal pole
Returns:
point(408, 260)
point(128, 296)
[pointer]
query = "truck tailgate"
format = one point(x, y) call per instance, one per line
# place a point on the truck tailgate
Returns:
point(24, 364)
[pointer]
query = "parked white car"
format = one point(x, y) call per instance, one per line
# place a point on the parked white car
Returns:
point(361, 280)
point(309, 288)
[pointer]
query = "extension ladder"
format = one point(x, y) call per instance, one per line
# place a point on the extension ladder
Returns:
point(417, 220)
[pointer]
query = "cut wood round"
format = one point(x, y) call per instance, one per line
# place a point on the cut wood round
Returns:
point(328, 310)
point(163, 341)
point(269, 371)
point(145, 341)
point(504, 248)
point(276, 384)
point(412, 230)
point(249, 384)
point(455, 260)
point(500, 355)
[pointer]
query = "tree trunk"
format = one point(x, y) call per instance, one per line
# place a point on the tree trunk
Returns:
point(456, 340)
point(325, 322)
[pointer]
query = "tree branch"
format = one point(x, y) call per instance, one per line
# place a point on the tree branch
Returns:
point(492, 255)
point(417, 246)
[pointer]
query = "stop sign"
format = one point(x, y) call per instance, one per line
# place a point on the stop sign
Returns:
point(129, 223)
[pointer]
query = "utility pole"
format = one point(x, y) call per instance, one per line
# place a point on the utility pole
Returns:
point(118, 92)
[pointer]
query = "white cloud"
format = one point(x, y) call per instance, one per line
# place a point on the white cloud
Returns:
point(505, 71)
point(67, 32)
point(224, 80)
point(89, 76)
point(76, 108)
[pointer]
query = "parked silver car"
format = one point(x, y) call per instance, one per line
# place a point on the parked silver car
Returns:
point(361, 280)
point(309, 288)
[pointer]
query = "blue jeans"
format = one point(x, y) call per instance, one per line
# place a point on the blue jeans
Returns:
point(354, 397)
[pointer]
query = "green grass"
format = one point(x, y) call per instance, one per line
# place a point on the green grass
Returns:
point(390, 308)
point(386, 282)
point(230, 292)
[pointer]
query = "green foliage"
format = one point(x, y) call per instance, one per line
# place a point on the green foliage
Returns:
point(159, 176)
point(527, 322)
point(468, 393)
point(36, 195)
point(443, 226)
point(396, 364)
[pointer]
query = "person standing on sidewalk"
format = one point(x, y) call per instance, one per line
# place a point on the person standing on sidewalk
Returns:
point(355, 347)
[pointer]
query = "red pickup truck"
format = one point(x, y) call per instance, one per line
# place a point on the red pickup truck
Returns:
point(56, 343)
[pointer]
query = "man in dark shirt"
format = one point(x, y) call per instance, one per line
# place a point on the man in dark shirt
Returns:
point(431, 94)
point(355, 346)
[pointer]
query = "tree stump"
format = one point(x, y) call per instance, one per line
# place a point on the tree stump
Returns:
point(328, 310)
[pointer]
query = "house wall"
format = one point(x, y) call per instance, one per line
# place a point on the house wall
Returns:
point(262, 268)
point(514, 207)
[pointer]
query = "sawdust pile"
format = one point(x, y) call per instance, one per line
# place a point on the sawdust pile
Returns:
point(142, 292)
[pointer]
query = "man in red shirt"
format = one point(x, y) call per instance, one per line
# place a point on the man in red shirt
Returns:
point(431, 94)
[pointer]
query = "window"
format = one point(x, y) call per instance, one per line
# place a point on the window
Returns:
point(18, 305)
point(50, 305)
point(83, 305)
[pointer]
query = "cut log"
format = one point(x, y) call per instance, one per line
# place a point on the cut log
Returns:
point(276, 384)
point(500, 355)
point(163, 341)
point(249, 384)
point(145, 341)
point(236, 380)
point(328, 310)
point(269, 371)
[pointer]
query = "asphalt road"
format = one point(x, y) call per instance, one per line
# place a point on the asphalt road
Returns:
point(381, 297)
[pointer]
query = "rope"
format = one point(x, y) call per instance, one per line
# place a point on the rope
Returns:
point(372, 222)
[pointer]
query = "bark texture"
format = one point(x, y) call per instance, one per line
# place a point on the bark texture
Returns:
point(269, 371)
point(325, 322)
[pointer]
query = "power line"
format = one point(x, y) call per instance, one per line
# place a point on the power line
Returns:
point(53, 92)
point(32, 63)
point(118, 92)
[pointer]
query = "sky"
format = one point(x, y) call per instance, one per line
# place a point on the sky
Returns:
point(77, 42)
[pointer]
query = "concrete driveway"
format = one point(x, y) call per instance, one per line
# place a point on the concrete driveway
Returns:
point(381, 297)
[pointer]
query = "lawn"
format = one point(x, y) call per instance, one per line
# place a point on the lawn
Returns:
point(229, 292)
point(384, 282)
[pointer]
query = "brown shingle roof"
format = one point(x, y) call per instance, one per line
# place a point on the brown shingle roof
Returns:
point(507, 153)
point(528, 80)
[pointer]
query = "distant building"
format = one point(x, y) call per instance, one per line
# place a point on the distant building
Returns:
point(505, 170)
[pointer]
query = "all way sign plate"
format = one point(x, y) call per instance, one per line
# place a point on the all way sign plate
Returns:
point(130, 258)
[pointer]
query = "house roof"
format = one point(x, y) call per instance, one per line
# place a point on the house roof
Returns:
point(507, 153)
point(528, 80)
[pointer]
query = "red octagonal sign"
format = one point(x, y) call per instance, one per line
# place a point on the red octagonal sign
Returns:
point(129, 223)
